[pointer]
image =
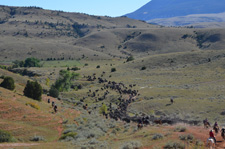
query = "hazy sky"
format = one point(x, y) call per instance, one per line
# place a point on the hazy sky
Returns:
point(94, 7)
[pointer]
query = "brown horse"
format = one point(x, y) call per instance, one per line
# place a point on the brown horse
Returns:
point(206, 124)
point(140, 125)
point(216, 128)
point(158, 122)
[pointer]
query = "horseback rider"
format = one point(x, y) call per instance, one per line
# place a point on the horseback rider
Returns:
point(223, 133)
point(216, 127)
point(211, 135)
point(55, 108)
point(206, 123)
point(216, 124)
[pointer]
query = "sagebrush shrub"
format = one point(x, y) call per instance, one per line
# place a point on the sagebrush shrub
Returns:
point(174, 145)
point(131, 145)
point(180, 129)
point(157, 136)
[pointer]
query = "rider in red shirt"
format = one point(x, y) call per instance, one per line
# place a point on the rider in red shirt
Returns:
point(211, 135)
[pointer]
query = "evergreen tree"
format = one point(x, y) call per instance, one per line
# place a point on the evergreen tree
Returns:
point(8, 83)
point(33, 90)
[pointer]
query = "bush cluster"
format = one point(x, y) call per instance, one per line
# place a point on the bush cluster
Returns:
point(29, 62)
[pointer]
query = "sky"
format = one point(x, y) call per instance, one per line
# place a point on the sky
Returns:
point(111, 8)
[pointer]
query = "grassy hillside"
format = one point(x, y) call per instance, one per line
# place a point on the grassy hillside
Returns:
point(189, 77)
point(45, 34)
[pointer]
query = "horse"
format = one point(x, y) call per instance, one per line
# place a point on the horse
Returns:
point(140, 125)
point(210, 143)
point(206, 124)
point(216, 128)
point(223, 133)
point(158, 122)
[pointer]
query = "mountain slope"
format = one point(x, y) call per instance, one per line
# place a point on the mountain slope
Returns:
point(195, 20)
point(172, 8)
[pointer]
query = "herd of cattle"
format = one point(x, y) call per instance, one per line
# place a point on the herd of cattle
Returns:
point(119, 112)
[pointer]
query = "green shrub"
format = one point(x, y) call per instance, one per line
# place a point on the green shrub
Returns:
point(131, 58)
point(32, 62)
point(103, 109)
point(54, 92)
point(70, 134)
point(8, 83)
point(37, 138)
point(98, 66)
point(63, 83)
point(33, 90)
point(33, 105)
point(113, 69)
point(174, 145)
point(5, 136)
point(3, 67)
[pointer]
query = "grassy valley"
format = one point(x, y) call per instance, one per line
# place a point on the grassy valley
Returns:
point(103, 106)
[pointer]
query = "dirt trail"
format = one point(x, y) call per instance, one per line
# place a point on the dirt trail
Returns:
point(4, 145)
point(203, 134)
